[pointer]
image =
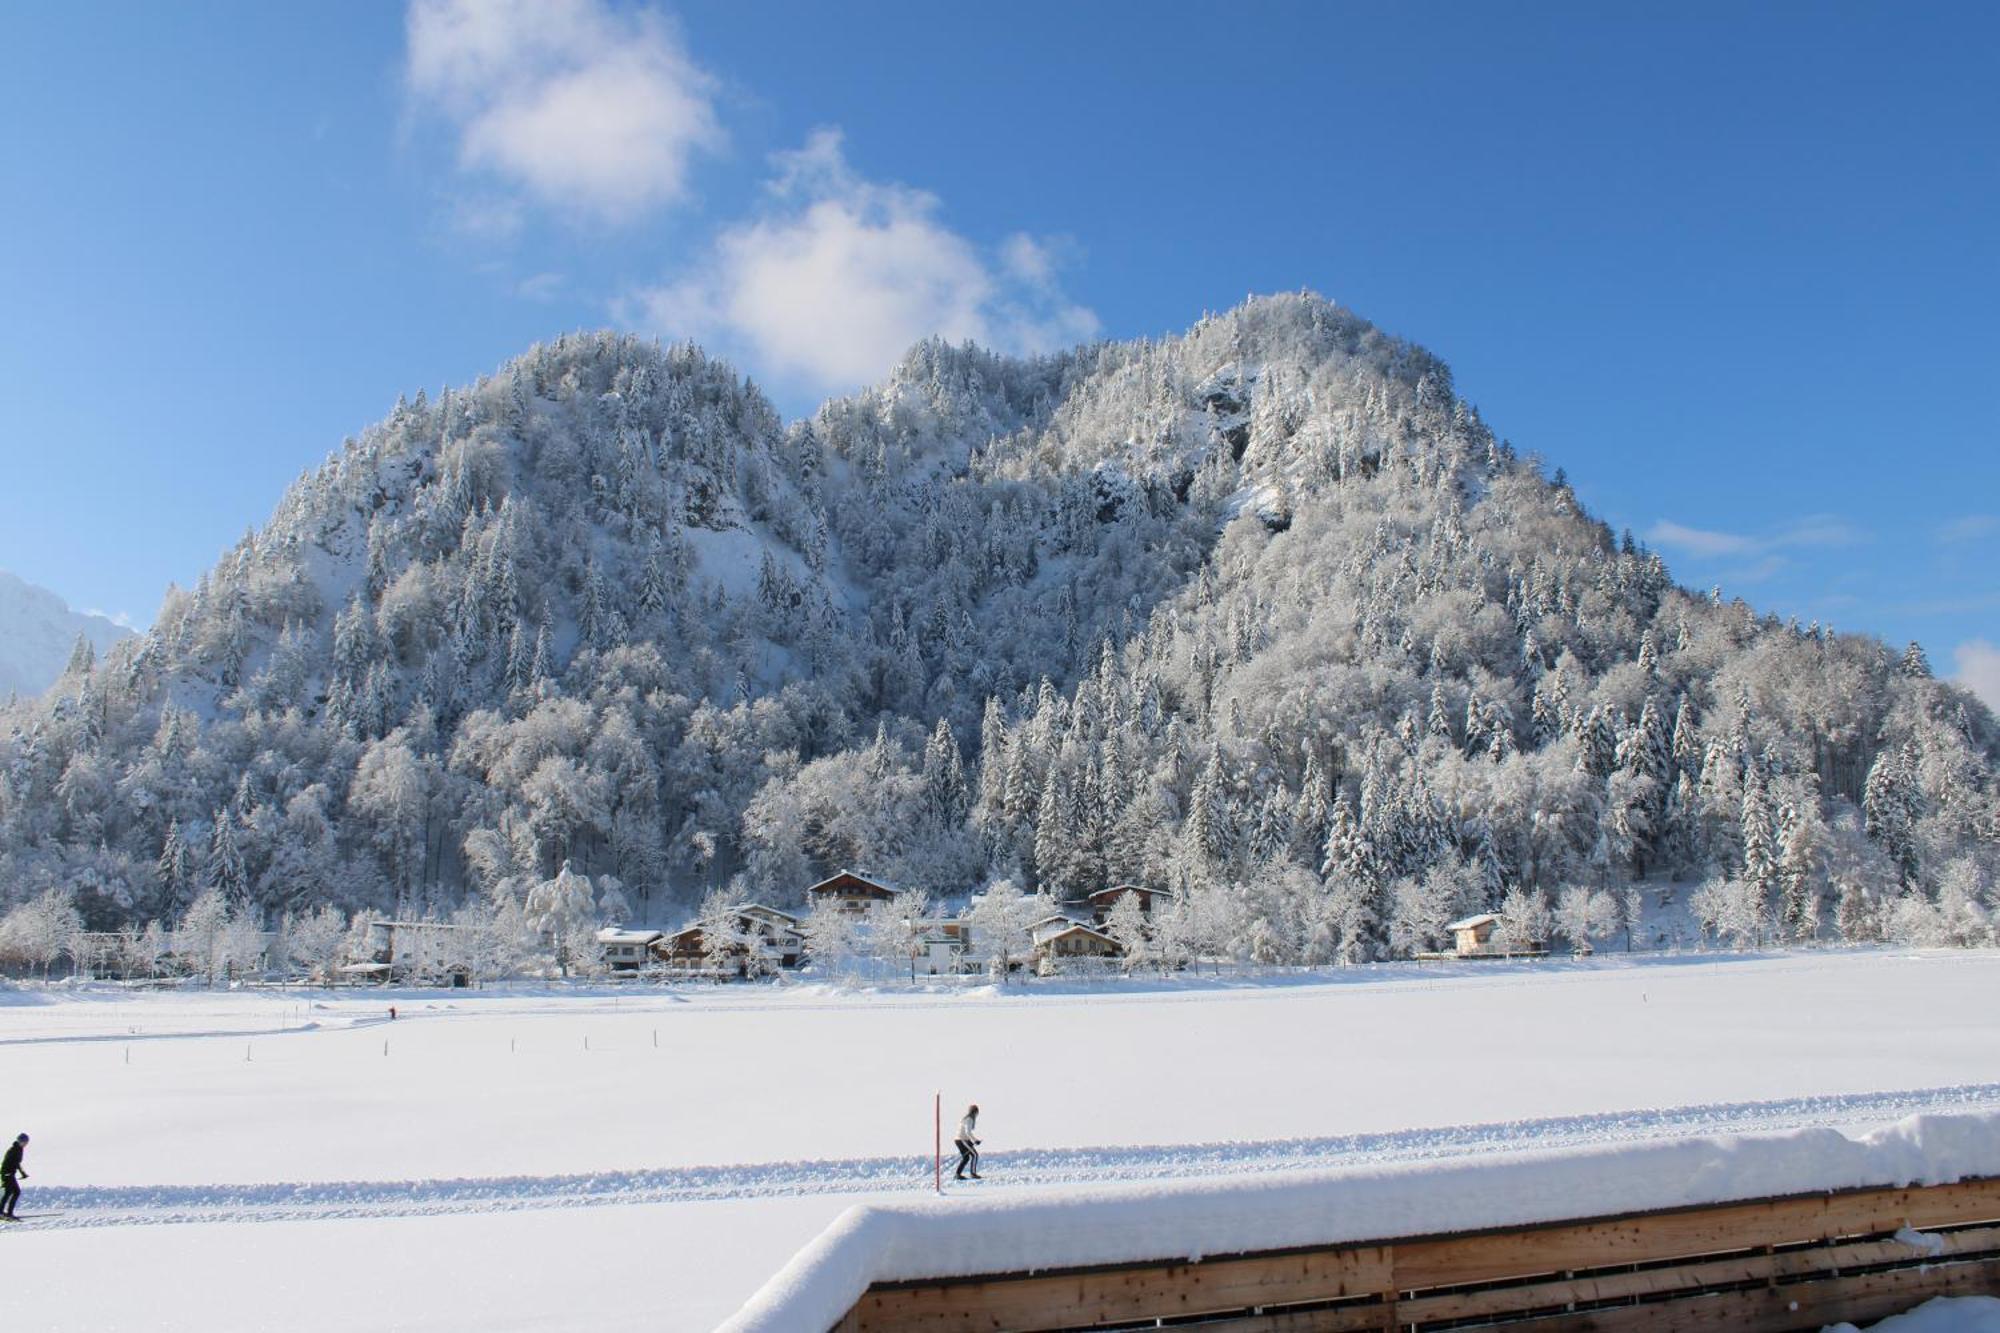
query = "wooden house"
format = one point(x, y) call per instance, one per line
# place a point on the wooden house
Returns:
point(774, 934)
point(1059, 941)
point(777, 933)
point(1104, 900)
point(685, 948)
point(626, 951)
point(855, 893)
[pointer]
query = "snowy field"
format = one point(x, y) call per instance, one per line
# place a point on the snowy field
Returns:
point(534, 1160)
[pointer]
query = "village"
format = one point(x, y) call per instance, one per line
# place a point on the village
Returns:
point(1117, 928)
point(853, 925)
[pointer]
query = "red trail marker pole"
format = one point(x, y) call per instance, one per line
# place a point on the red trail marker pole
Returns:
point(937, 1142)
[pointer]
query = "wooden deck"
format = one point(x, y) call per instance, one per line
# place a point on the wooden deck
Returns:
point(1767, 1266)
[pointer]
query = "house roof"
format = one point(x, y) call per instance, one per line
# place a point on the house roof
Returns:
point(846, 881)
point(1474, 922)
point(758, 909)
point(1117, 889)
point(616, 935)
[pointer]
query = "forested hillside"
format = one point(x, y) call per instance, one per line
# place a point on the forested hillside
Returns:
point(1264, 613)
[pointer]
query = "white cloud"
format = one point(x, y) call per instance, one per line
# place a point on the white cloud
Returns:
point(1699, 541)
point(1762, 570)
point(839, 275)
point(540, 287)
point(1978, 665)
point(1969, 528)
point(1815, 530)
point(590, 110)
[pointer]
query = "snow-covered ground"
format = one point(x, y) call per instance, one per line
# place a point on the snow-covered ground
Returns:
point(531, 1159)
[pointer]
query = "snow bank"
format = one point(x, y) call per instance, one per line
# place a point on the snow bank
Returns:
point(955, 1237)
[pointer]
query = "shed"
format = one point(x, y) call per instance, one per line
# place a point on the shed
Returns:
point(1474, 935)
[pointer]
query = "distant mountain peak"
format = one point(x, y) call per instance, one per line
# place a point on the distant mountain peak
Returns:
point(38, 633)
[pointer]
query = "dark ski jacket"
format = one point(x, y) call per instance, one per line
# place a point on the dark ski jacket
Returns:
point(11, 1163)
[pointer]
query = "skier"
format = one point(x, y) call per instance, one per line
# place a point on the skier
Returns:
point(10, 1167)
point(967, 1144)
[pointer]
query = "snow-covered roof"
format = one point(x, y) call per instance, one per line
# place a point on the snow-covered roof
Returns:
point(848, 881)
point(1474, 922)
point(1057, 927)
point(758, 909)
point(618, 935)
point(1117, 889)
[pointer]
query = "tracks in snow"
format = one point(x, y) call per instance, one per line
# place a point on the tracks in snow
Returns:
point(141, 1205)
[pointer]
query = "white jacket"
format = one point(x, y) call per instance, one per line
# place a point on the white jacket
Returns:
point(965, 1126)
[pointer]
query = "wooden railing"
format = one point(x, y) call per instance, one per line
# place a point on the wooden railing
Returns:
point(1765, 1266)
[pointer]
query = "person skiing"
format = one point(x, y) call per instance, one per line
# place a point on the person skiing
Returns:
point(967, 1144)
point(10, 1168)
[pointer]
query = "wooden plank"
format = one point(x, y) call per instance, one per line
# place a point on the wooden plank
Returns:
point(1801, 1307)
point(1725, 1244)
point(1086, 1297)
point(1770, 1269)
point(1684, 1233)
point(1340, 1319)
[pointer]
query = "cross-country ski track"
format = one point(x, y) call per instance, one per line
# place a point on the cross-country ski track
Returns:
point(144, 1205)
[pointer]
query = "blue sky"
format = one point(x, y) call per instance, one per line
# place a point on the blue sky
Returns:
point(1733, 267)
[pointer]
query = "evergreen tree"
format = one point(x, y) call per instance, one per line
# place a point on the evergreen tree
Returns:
point(1798, 873)
point(944, 777)
point(1760, 861)
point(1889, 803)
point(225, 858)
point(174, 867)
point(1915, 664)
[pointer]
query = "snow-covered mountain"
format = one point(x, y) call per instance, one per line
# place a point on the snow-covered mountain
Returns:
point(1263, 611)
point(38, 635)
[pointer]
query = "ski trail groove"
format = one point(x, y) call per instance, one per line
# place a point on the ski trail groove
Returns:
point(150, 1205)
